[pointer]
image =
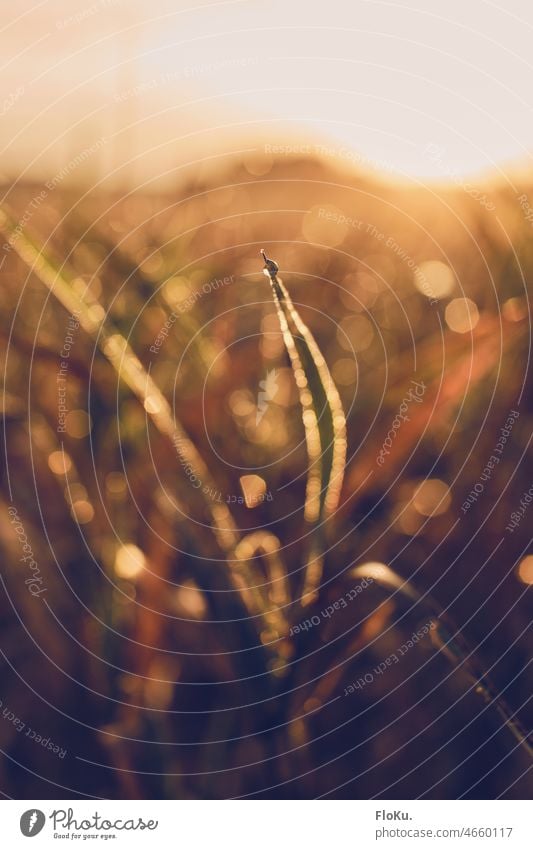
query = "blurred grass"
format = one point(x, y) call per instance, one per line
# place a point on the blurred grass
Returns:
point(182, 657)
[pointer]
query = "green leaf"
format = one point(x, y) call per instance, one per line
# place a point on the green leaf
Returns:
point(324, 423)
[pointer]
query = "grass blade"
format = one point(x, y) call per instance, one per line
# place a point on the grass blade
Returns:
point(324, 423)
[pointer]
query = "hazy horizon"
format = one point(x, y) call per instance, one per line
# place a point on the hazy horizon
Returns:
point(158, 86)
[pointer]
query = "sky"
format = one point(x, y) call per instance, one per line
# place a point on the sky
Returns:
point(419, 90)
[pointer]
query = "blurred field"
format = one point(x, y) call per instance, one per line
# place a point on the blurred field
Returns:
point(142, 662)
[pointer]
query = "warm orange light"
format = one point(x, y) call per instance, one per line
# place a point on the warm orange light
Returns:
point(525, 570)
point(129, 561)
